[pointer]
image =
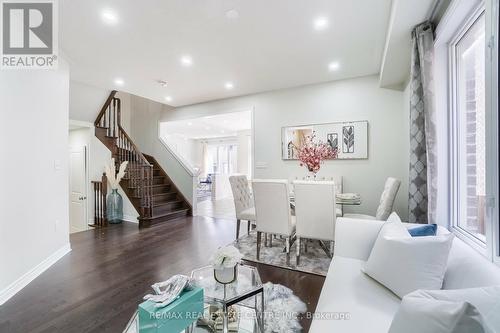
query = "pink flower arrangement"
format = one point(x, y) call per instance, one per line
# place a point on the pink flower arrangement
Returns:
point(312, 154)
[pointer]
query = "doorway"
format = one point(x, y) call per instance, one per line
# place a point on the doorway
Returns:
point(78, 189)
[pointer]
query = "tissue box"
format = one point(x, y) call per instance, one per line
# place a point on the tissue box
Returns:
point(173, 318)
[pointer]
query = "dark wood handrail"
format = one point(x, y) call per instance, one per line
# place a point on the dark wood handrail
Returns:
point(138, 152)
point(105, 107)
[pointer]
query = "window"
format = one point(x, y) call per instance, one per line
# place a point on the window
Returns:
point(222, 158)
point(469, 131)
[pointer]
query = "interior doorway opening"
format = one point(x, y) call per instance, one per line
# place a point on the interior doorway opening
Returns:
point(216, 147)
point(79, 142)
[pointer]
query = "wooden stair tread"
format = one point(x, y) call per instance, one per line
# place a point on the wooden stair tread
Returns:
point(163, 203)
point(176, 211)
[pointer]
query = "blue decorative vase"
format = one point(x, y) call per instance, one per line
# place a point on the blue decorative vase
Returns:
point(114, 207)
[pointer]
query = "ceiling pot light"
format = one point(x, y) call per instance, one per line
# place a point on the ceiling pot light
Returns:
point(232, 14)
point(109, 16)
point(119, 82)
point(168, 98)
point(190, 124)
point(320, 23)
point(333, 66)
point(229, 85)
point(186, 61)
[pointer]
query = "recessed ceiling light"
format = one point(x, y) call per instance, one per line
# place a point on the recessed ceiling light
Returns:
point(229, 85)
point(190, 124)
point(168, 98)
point(333, 66)
point(186, 61)
point(232, 14)
point(223, 131)
point(109, 16)
point(320, 23)
point(119, 82)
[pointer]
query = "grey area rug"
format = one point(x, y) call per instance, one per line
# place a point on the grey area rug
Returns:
point(282, 309)
point(314, 261)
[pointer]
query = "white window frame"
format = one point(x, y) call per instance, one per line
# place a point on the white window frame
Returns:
point(479, 245)
point(492, 135)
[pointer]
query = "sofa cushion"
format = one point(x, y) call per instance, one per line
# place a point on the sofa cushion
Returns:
point(469, 269)
point(446, 311)
point(405, 264)
point(348, 292)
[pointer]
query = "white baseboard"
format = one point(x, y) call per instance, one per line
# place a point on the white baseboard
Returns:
point(24, 280)
point(130, 218)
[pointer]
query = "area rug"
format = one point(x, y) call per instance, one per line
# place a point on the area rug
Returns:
point(282, 311)
point(314, 261)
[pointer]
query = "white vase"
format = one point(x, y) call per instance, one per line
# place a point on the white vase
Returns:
point(226, 275)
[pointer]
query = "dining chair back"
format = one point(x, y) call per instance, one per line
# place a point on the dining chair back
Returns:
point(387, 198)
point(241, 194)
point(272, 206)
point(315, 209)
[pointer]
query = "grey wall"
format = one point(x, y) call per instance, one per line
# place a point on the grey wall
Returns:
point(346, 100)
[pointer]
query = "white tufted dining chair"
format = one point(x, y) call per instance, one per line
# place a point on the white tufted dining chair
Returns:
point(387, 199)
point(273, 213)
point(243, 201)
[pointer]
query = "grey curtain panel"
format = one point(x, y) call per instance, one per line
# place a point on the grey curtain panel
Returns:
point(423, 157)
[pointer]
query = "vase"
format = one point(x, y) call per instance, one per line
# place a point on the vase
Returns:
point(226, 275)
point(114, 207)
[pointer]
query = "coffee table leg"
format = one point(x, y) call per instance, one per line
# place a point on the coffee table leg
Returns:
point(262, 313)
point(225, 321)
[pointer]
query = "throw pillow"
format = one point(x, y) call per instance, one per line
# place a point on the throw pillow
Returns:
point(425, 230)
point(404, 264)
point(446, 311)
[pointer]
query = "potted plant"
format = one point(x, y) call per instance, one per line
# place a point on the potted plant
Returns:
point(114, 201)
point(225, 264)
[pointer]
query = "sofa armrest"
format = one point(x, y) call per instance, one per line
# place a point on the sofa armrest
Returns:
point(354, 238)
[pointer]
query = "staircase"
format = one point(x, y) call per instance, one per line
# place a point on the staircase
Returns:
point(146, 184)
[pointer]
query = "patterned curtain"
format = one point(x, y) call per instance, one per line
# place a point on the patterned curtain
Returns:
point(423, 159)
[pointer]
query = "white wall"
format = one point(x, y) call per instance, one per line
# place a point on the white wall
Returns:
point(34, 222)
point(346, 100)
point(145, 119)
point(244, 153)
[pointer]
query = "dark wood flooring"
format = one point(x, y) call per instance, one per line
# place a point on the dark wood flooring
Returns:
point(97, 287)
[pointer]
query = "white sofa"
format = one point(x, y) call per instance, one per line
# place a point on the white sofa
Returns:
point(351, 301)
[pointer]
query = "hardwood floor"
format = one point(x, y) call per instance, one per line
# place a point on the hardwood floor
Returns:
point(97, 287)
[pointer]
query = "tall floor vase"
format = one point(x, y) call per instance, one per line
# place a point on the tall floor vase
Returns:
point(114, 207)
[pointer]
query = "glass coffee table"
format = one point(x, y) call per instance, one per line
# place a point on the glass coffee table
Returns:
point(234, 307)
point(241, 302)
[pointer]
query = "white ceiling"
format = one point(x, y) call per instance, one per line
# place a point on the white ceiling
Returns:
point(218, 126)
point(272, 45)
